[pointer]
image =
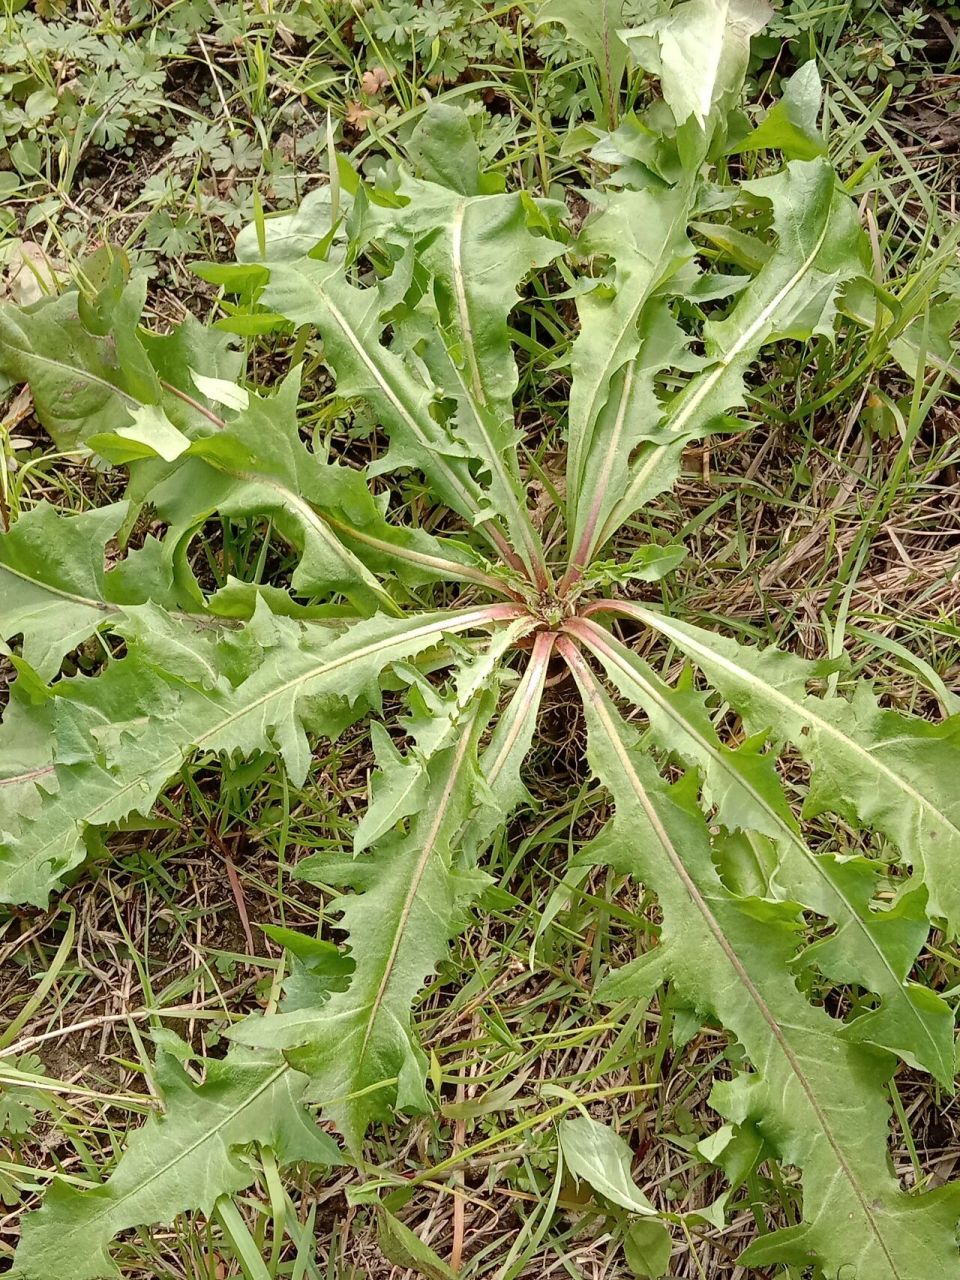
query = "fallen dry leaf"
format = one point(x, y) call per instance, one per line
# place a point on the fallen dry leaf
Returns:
point(357, 115)
point(20, 407)
point(31, 274)
point(374, 80)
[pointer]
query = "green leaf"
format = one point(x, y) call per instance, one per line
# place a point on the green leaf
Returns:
point(359, 1048)
point(190, 346)
point(257, 464)
point(818, 1099)
point(287, 238)
point(648, 563)
point(612, 399)
point(478, 248)
point(180, 692)
point(428, 297)
point(444, 151)
point(181, 1161)
point(793, 295)
point(221, 391)
point(75, 378)
point(240, 1239)
point(399, 788)
point(317, 967)
point(877, 767)
point(791, 124)
point(598, 1156)
point(350, 321)
point(404, 1248)
point(21, 1102)
point(84, 382)
point(56, 589)
point(873, 946)
point(501, 762)
point(151, 435)
point(930, 334)
point(647, 1247)
point(699, 51)
point(270, 472)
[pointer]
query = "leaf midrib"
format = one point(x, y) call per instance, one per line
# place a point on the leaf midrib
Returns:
point(583, 542)
point(535, 667)
point(449, 568)
point(463, 309)
point(524, 703)
point(102, 606)
point(85, 375)
point(581, 451)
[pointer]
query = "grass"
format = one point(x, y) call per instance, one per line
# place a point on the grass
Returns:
point(835, 529)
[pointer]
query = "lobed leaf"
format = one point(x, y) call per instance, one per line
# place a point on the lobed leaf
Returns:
point(256, 464)
point(359, 1047)
point(699, 52)
point(874, 946)
point(350, 321)
point(754, 919)
point(178, 1162)
point(77, 380)
point(180, 692)
point(85, 382)
point(793, 295)
point(56, 588)
point(875, 767)
point(477, 248)
point(621, 347)
point(817, 1098)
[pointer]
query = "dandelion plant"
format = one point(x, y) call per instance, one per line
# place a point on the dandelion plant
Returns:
point(434, 605)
